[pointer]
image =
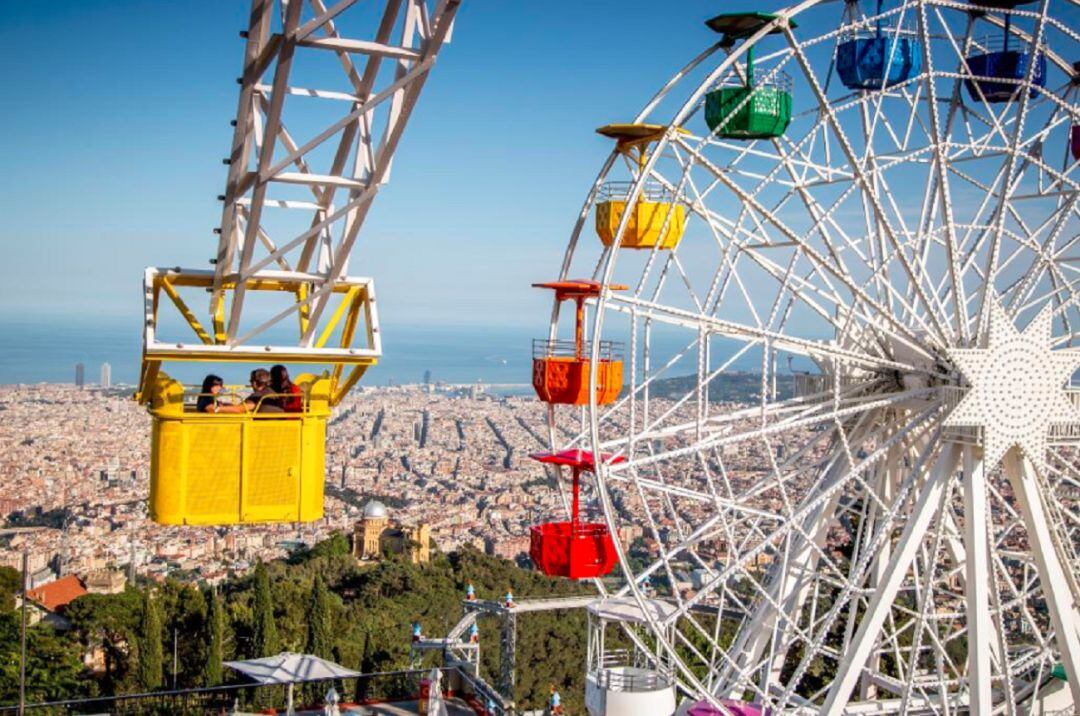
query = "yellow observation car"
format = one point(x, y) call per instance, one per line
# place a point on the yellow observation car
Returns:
point(235, 468)
point(251, 467)
point(656, 220)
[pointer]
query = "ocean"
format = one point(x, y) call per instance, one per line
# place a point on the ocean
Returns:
point(47, 349)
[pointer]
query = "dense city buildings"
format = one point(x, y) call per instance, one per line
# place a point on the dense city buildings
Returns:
point(408, 468)
point(77, 462)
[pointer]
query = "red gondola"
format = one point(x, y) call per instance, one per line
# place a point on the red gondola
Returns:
point(574, 549)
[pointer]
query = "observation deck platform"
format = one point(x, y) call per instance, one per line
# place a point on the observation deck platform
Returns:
point(524, 606)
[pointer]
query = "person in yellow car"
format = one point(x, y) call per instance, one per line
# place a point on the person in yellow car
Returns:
point(212, 385)
point(262, 396)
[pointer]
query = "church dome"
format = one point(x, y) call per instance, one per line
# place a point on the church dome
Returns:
point(374, 509)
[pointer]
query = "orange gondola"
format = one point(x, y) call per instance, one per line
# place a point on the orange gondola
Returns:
point(561, 368)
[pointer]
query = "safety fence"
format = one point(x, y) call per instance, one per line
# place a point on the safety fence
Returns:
point(310, 696)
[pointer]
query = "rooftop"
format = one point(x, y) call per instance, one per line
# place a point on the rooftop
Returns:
point(54, 596)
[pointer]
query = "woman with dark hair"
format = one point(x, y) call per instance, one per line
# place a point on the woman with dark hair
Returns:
point(211, 386)
point(290, 397)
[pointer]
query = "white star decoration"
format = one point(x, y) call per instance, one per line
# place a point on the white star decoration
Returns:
point(1017, 386)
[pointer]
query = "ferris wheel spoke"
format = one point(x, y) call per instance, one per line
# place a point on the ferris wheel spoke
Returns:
point(1061, 601)
point(1044, 259)
point(848, 587)
point(658, 374)
point(822, 218)
point(790, 580)
point(721, 435)
point(770, 266)
point(1008, 184)
point(860, 175)
point(859, 649)
point(730, 329)
point(918, 425)
point(901, 329)
point(924, 624)
point(941, 181)
point(802, 285)
point(862, 567)
point(977, 566)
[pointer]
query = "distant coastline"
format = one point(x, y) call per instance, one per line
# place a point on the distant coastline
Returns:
point(46, 351)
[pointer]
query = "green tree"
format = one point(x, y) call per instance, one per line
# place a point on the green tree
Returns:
point(215, 640)
point(184, 609)
point(10, 581)
point(53, 663)
point(320, 630)
point(111, 622)
point(150, 653)
point(265, 641)
point(320, 636)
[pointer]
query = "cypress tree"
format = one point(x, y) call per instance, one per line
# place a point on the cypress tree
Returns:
point(265, 642)
point(215, 638)
point(320, 637)
point(150, 653)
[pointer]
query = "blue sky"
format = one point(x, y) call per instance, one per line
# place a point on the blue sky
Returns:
point(116, 117)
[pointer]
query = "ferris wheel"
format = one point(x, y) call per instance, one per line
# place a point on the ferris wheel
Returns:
point(822, 357)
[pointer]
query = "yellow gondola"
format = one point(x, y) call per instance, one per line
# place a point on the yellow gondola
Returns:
point(251, 467)
point(290, 217)
point(210, 469)
point(656, 220)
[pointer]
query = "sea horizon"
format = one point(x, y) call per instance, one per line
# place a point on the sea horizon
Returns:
point(47, 348)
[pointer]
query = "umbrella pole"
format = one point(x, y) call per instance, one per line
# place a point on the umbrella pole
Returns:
point(289, 701)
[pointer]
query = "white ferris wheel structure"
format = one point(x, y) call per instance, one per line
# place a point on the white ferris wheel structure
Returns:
point(889, 521)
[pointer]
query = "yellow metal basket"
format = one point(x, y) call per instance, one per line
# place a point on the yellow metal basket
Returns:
point(237, 468)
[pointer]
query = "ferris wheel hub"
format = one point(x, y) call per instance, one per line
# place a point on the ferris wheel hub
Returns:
point(1017, 387)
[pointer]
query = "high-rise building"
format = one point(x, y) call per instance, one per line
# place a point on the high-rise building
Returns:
point(427, 377)
point(106, 375)
point(80, 375)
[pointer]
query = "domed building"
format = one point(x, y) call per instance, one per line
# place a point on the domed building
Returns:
point(376, 534)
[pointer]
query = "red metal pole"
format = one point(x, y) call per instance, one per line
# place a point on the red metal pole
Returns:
point(574, 504)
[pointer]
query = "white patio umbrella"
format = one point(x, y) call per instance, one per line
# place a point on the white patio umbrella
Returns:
point(289, 668)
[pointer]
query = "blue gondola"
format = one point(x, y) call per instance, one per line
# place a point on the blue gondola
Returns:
point(883, 60)
point(995, 75)
point(1001, 4)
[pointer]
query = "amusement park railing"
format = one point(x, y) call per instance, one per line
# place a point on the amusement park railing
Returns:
point(381, 687)
point(543, 348)
point(633, 681)
point(620, 190)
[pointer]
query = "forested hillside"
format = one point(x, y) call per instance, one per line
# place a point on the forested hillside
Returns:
point(320, 601)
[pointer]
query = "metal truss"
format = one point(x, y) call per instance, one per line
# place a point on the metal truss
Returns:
point(852, 551)
point(383, 74)
point(325, 95)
